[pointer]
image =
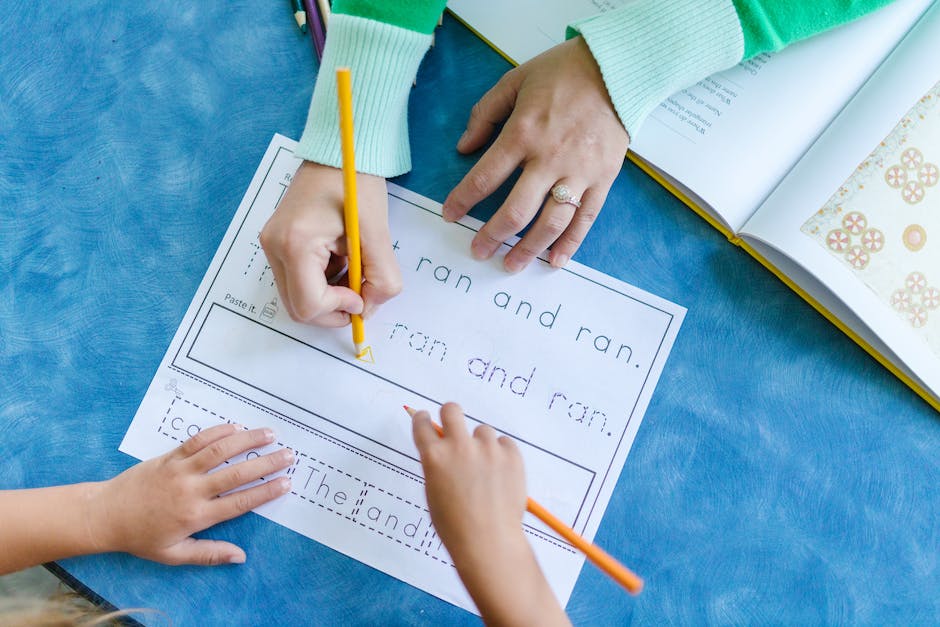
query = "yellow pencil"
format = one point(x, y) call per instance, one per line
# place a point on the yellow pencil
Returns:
point(350, 202)
point(614, 569)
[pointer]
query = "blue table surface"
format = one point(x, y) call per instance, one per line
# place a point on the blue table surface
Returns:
point(780, 475)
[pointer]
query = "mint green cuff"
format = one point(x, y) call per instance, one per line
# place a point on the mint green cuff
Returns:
point(384, 60)
point(649, 49)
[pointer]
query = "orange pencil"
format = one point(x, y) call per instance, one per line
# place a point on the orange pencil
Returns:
point(617, 571)
point(350, 199)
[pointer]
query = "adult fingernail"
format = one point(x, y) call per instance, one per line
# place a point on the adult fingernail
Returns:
point(560, 261)
point(287, 456)
point(236, 558)
point(268, 435)
point(283, 484)
point(480, 250)
point(513, 266)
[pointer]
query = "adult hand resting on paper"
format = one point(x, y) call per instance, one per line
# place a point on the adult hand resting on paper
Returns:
point(476, 493)
point(305, 243)
point(561, 129)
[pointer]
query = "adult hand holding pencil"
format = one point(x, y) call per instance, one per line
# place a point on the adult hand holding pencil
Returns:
point(307, 247)
point(351, 202)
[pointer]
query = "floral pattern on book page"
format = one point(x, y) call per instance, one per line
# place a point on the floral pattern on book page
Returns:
point(883, 223)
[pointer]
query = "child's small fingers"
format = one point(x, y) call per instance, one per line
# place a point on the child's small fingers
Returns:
point(508, 443)
point(423, 431)
point(202, 553)
point(453, 422)
point(238, 475)
point(206, 437)
point(228, 447)
point(238, 503)
point(485, 433)
point(512, 454)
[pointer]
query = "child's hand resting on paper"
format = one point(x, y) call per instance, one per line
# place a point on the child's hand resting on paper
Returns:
point(305, 243)
point(150, 510)
point(476, 494)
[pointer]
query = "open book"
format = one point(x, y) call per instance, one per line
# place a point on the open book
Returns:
point(820, 161)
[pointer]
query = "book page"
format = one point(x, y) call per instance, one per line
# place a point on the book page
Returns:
point(733, 136)
point(523, 29)
point(563, 361)
point(860, 214)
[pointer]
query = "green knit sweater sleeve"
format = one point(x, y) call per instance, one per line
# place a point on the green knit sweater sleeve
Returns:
point(649, 49)
point(416, 15)
point(770, 25)
point(382, 42)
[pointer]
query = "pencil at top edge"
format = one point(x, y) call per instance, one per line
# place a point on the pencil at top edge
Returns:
point(300, 15)
point(350, 200)
point(317, 30)
point(324, 10)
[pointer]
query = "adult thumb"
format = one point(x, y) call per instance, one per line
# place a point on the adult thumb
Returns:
point(494, 107)
point(381, 275)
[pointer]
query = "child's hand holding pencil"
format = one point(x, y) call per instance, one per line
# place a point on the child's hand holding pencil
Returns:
point(477, 496)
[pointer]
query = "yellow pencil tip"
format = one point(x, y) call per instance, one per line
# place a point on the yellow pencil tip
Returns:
point(364, 353)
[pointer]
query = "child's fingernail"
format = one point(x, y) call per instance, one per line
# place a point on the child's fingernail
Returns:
point(463, 138)
point(237, 558)
point(287, 456)
point(560, 261)
point(283, 484)
point(268, 435)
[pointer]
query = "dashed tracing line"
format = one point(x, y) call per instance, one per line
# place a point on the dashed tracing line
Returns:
point(299, 454)
point(261, 276)
point(421, 507)
point(300, 426)
point(251, 259)
point(161, 429)
point(373, 529)
point(359, 501)
point(333, 468)
point(539, 536)
point(327, 508)
point(166, 415)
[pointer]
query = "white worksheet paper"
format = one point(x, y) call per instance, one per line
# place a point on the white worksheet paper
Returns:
point(563, 361)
